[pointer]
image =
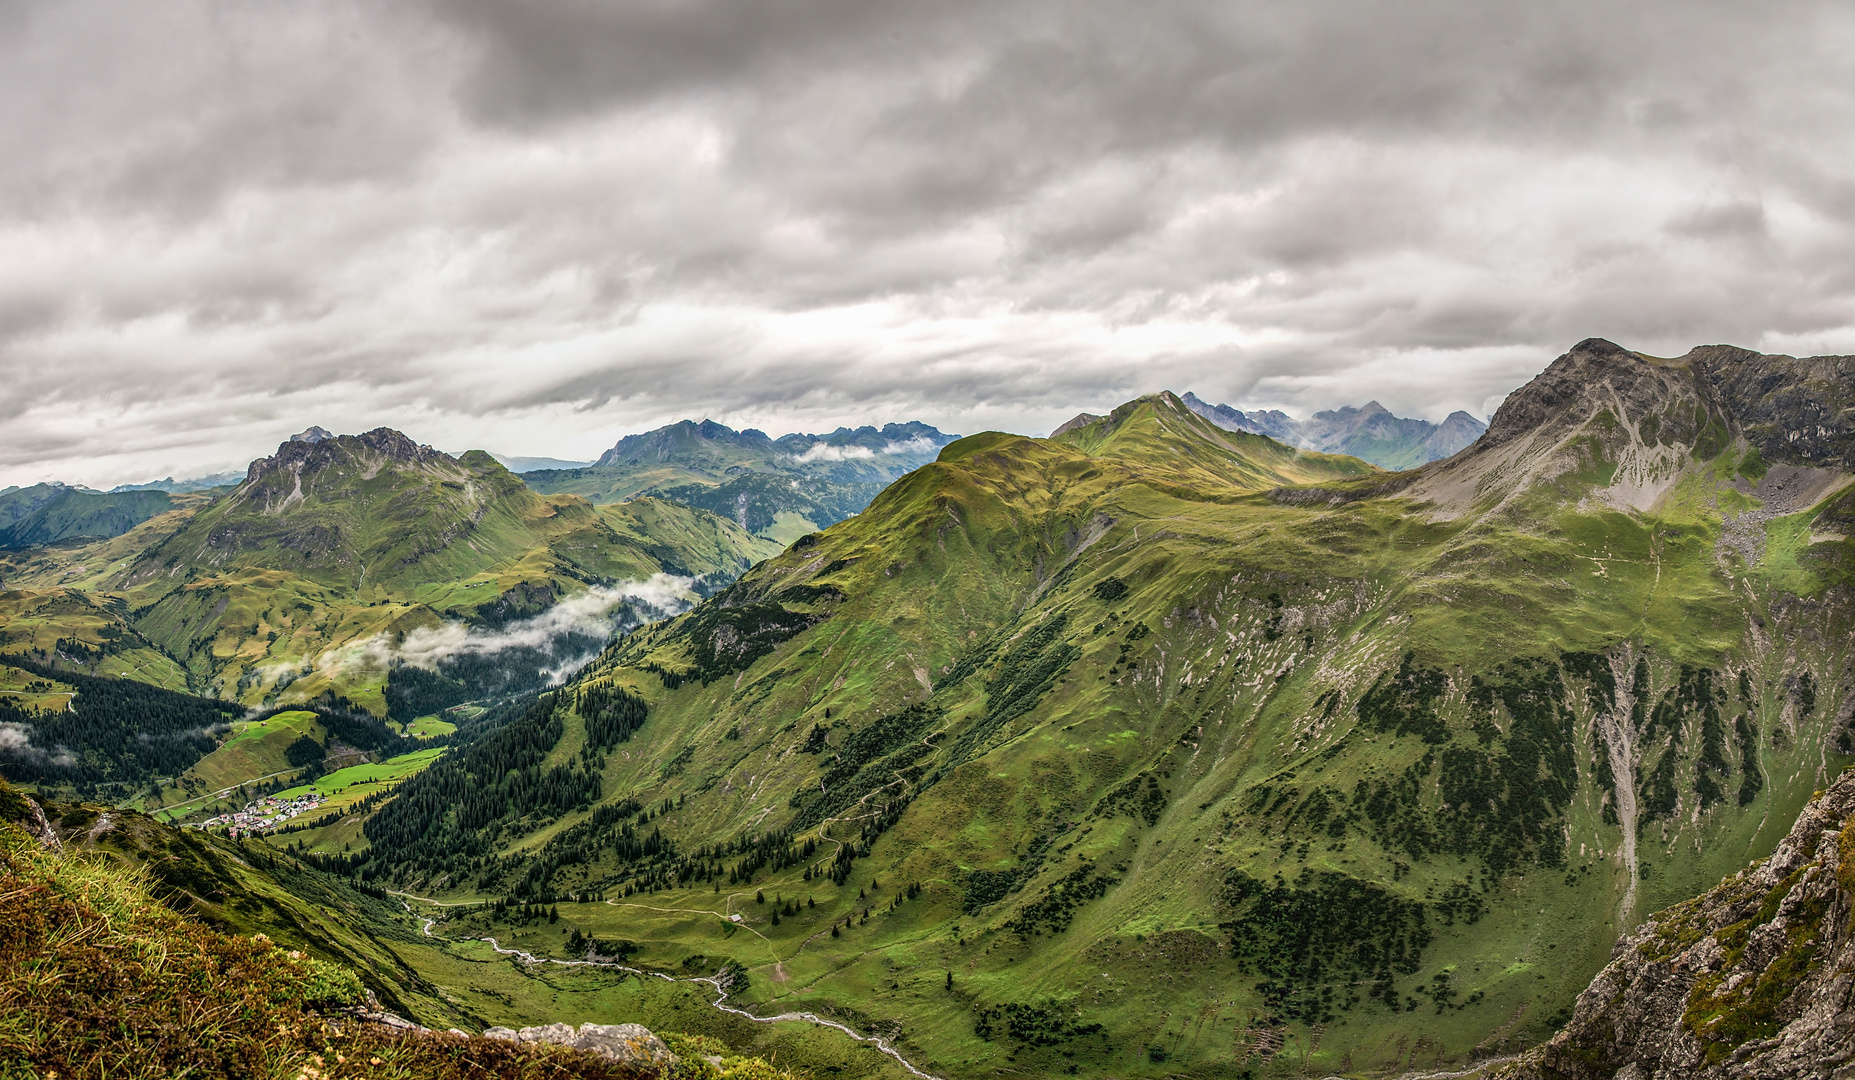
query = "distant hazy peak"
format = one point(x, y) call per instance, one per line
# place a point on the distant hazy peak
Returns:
point(662, 443)
point(1080, 420)
point(313, 434)
point(517, 463)
point(1368, 431)
point(173, 486)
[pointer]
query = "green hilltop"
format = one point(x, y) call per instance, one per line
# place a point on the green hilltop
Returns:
point(1157, 747)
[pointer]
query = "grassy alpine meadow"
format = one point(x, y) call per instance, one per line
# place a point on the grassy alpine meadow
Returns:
point(426, 727)
point(372, 774)
point(1148, 749)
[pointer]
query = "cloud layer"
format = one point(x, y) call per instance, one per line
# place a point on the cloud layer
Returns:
point(595, 614)
point(539, 227)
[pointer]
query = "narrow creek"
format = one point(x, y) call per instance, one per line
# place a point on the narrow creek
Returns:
point(713, 983)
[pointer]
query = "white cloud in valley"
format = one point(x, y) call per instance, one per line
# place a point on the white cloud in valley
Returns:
point(595, 613)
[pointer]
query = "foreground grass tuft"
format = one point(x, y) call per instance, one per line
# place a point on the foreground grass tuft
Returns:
point(98, 979)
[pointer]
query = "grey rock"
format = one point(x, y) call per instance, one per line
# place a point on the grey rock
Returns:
point(628, 1044)
point(387, 1019)
point(39, 828)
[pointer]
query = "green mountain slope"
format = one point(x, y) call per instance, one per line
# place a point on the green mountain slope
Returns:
point(780, 488)
point(336, 544)
point(1257, 759)
point(52, 513)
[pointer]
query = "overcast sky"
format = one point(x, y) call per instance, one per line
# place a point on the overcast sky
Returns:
point(536, 227)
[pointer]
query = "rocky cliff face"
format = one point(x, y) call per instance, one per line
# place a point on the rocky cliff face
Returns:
point(1753, 981)
point(1796, 411)
point(1636, 424)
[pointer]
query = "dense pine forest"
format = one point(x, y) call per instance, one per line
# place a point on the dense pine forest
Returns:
point(116, 734)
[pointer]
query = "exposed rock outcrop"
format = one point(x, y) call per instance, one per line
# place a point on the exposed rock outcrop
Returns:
point(632, 1045)
point(1755, 980)
point(1633, 425)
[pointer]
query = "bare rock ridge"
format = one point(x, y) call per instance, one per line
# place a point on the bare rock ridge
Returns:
point(1754, 980)
point(1634, 423)
point(312, 452)
point(1080, 420)
point(1799, 412)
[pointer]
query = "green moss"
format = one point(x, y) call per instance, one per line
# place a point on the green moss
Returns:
point(1752, 466)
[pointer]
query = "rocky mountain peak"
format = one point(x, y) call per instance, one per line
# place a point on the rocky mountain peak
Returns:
point(312, 434)
point(1593, 376)
point(1080, 420)
point(1643, 421)
point(305, 456)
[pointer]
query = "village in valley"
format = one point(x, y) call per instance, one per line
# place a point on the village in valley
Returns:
point(262, 815)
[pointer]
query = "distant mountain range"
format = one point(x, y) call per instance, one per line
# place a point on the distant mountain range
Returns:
point(1371, 433)
point(330, 544)
point(517, 464)
point(778, 488)
point(175, 487)
point(51, 513)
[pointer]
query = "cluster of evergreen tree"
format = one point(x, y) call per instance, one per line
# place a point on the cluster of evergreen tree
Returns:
point(305, 752)
point(643, 861)
point(412, 692)
point(611, 714)
point(1317, 941)
point(728, 637)
point(116, 733)
point(869, 759)
point(448, 818)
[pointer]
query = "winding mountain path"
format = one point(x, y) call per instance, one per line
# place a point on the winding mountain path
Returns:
point(713, 982)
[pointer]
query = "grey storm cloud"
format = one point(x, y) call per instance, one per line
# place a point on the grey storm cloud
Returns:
point(536, 227)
